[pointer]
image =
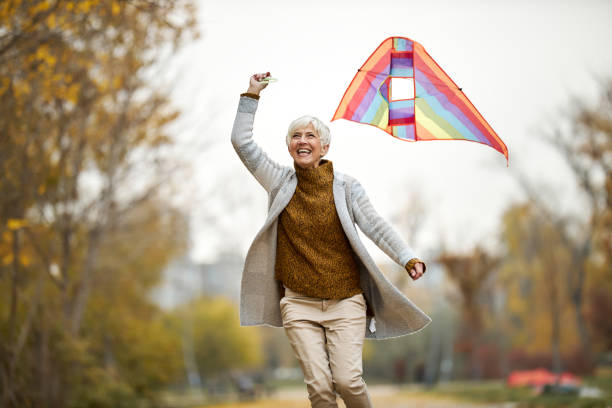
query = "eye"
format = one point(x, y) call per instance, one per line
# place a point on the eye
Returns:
point(296, 136)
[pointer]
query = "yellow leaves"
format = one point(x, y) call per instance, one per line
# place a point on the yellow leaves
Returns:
point(7, 9)
point(7, 254)
point(102, 86)
point(223, 344)
point(51, 21)
point(534, 279)
point(5, 82)
point(25, 260)
point(7, 259)
point(43, 54)
point(117, 82)
point(72, 94)
point(39, 7)
point(115, 8)
point(16, 223)
point(21, 89)
point(86, 6)
point(51, 85)
point(68, 93)
point(105, 85)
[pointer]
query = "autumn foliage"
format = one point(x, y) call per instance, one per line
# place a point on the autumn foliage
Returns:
point(85, 228)
point(545, 302)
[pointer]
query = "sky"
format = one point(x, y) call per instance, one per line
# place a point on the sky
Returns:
point(523, 64)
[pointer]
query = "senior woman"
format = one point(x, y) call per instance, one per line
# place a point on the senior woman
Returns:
point(307, 269)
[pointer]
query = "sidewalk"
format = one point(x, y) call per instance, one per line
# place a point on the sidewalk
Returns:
point(383, 396)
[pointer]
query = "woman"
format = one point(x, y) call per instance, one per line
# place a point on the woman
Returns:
point(307, 269)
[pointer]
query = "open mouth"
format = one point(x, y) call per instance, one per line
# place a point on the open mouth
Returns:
point(304, 152)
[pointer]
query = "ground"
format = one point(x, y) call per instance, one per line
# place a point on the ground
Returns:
point(383, 396)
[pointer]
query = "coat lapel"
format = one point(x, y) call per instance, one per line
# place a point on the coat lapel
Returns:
point(280, 201)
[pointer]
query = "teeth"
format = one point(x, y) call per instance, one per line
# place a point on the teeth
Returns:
point(303, 151)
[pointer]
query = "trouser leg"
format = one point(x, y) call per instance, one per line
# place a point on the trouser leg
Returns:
point(307, 338)
point(345, 332)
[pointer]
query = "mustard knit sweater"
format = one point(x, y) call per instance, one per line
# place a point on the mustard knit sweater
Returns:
point(313, 255)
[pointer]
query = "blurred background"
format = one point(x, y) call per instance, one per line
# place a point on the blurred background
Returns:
point(125, 214)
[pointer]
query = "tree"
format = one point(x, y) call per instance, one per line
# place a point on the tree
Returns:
point(471, 275)
point(534, 275)
point(220, 344)
point(82, 137)
point(586, 145)
point(584, 139)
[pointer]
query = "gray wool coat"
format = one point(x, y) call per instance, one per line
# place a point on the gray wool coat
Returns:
point(260, 295)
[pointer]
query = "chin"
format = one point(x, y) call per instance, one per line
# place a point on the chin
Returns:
point(305, 165)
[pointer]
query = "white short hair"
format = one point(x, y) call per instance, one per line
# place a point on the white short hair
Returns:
point(302, 122)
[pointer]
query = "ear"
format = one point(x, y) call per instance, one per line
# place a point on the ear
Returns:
point(324, 150)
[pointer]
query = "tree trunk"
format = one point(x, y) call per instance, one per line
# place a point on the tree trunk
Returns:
point(4, 395)
point(576, 295)
point(44, 371)
point(14, 293)
point(432, 362)
point(583, 333)
point(556, 325)
point(86, 280)
point(8, 349)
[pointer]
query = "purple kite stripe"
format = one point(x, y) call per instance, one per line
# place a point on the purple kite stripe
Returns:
point(384, 90)
point(405, 112)
point(401, 63)
point(401, 60)
point(367, 99)
point(400, 111)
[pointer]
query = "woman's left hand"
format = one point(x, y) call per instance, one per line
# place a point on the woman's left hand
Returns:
point(417, 270)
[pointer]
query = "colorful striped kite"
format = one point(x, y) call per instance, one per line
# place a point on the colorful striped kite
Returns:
point(434, 108)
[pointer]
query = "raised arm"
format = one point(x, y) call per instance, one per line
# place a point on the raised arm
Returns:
point(267, 172)
point(382, 233)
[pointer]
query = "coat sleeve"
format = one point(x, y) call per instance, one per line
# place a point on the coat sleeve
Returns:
point(377, 229)
point(267, 172)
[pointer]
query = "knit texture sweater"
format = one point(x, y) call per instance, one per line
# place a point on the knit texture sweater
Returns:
point(313, 254)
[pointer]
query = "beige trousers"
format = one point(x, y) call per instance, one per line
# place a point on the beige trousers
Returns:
point(327, 339)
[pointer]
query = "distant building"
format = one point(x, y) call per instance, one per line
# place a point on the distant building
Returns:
point(184, 280)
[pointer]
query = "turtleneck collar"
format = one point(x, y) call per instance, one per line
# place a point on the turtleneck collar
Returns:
point(323, 174)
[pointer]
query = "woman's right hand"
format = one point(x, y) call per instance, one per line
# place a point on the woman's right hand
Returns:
point(255, 84)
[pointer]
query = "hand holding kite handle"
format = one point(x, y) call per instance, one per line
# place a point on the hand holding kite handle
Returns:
point(257, 82)
point(417, 270)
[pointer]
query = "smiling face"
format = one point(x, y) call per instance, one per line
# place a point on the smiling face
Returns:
point(305, 147)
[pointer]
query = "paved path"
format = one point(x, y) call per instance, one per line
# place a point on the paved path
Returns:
point(383, 396)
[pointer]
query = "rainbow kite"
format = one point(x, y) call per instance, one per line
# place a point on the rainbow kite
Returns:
point(434, 108)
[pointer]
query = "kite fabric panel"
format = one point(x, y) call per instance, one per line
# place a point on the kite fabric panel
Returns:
point(437, 110)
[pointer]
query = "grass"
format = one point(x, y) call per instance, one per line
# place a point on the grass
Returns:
point(492, 392)
point(483, 391)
